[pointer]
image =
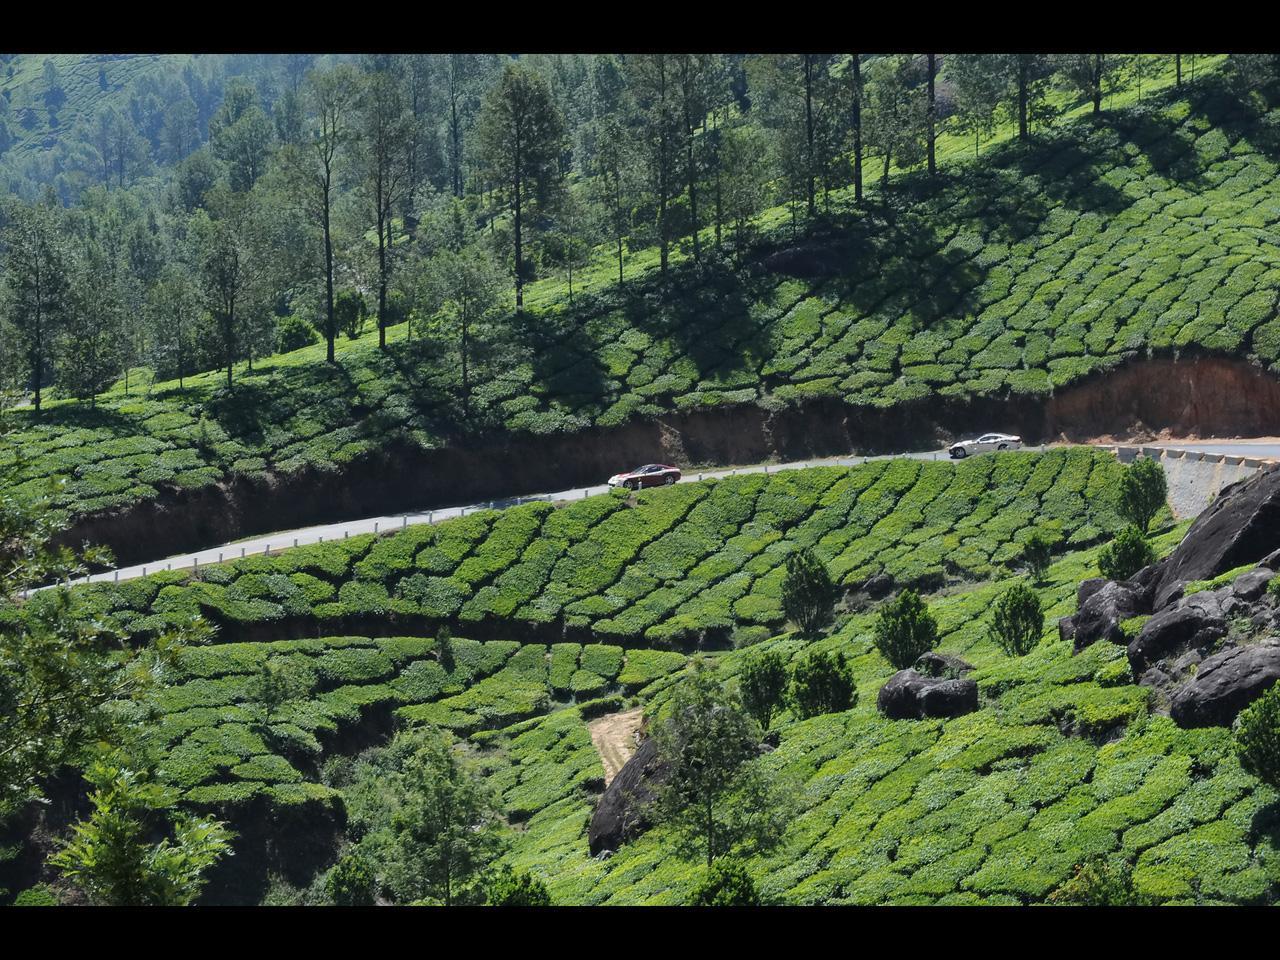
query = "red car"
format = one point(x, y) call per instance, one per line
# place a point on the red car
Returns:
point(650, 475)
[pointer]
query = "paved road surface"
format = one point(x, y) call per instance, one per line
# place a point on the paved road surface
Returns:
point(275, 542)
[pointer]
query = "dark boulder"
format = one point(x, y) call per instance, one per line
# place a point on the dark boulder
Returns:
point(1100, 616)
point(1088, 588)
point(1169, 594)
point(621, 814)
point(1252, 585)
point(1241, 526)
point(911, 696)
point(1225, 684)
point(934, 664)
point(1174, 631)
point(879, 586)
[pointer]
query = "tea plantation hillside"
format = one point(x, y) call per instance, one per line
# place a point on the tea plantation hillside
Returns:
point(1149, 232)
point(1063, 761)
point(694, 562)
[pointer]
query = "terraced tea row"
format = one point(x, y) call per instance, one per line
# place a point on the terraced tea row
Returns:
point(699, 561)
point(1103, 242)
point(1060, 764)
point(226, 739)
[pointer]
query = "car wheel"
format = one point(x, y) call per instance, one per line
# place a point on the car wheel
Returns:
point(632, 484)
point(960, 453)
point(1003, 446)
point(669, 480)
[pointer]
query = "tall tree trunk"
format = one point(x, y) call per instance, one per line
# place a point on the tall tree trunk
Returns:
point(1097, 84)
point(382, 281)
point(331, 327)
point(455, 135)
point(857, 128)
point(38, 359)
point(808, 133)
point(690, 164)
point(1177, 69)
point(884, 177)
point(518, 222)
point(1022, 96)
point(933, 163)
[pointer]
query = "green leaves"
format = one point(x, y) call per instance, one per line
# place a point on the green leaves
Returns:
point(1258, 738)
point(905, 629)
point(1017, 620)
point(1143, 490)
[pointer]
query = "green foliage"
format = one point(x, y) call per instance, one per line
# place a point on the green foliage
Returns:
point(1143, 490)
point(1124, 556)
point(726, 884)
point(822, 682)
point(1017, 620)
point(1257, 737)
point(109, 857)
point(507, 888)
point(1037, 553)
point(905, 629)
point(716, 796)
point(1100, 883)
point(351, 882)
point(37, 896)
point(808, 593)
point(762, 685)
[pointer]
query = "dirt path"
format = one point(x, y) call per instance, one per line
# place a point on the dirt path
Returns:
point(614, 737)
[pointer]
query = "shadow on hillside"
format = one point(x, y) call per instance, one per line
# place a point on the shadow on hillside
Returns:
point(1221, 106)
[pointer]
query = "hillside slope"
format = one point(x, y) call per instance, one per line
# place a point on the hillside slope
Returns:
point(973, 296)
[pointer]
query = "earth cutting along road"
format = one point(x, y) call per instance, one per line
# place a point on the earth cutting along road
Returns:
point(1192, 483)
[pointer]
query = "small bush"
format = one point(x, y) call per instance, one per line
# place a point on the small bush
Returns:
point(763, 684)
point(1258, 738)
point(1124, 556)
point(294, 333)
point(905, 629)
point(1018, 620)
point(808, 593)
point(822, 683)
point(726, 884)
point(1036, 552)
point(510, 889)
point(1143, 490)
point(1100, 883)
point(351, 883)
point(37, 896)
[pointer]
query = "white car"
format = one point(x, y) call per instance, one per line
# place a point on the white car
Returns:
point(988, 441)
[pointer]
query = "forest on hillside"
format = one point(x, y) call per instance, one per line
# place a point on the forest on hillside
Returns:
point(170, 215)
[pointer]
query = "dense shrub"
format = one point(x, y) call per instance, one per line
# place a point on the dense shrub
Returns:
point(726, 884)
point(808, 593)
point(762, 684)
point(905, 629)
point(1017, 621)
point(1258, 737)
point(351, 882)
point(822, 683)
point(1124, 556)
point(1037, 554)
point(1100, 883)
point(510, 889)
point(1143, 490)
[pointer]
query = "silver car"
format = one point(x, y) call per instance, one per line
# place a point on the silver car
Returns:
point(988, 441)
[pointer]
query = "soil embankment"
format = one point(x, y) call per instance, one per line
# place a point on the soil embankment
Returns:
point(1141, 401)
point(614, 737)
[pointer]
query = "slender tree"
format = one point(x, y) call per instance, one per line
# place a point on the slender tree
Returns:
point(37, 273)
point(521, 134)
point(313, 165)
point(387, 135)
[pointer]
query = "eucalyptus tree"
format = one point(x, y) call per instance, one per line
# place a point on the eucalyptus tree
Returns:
point(979, 81)
point(387, 134)
point(313, 166)
point(652, 80)
point(896, 121)
point(37, 276)
point(521, 134)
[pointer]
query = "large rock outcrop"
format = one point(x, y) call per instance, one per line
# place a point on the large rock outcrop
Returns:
point(1174, 630)
point(1101, 614)
point(621, 815)
point(1241, 526)
point(1225, 684)
point(910, 695)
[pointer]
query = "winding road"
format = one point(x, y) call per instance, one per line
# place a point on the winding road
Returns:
point(272, 543)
